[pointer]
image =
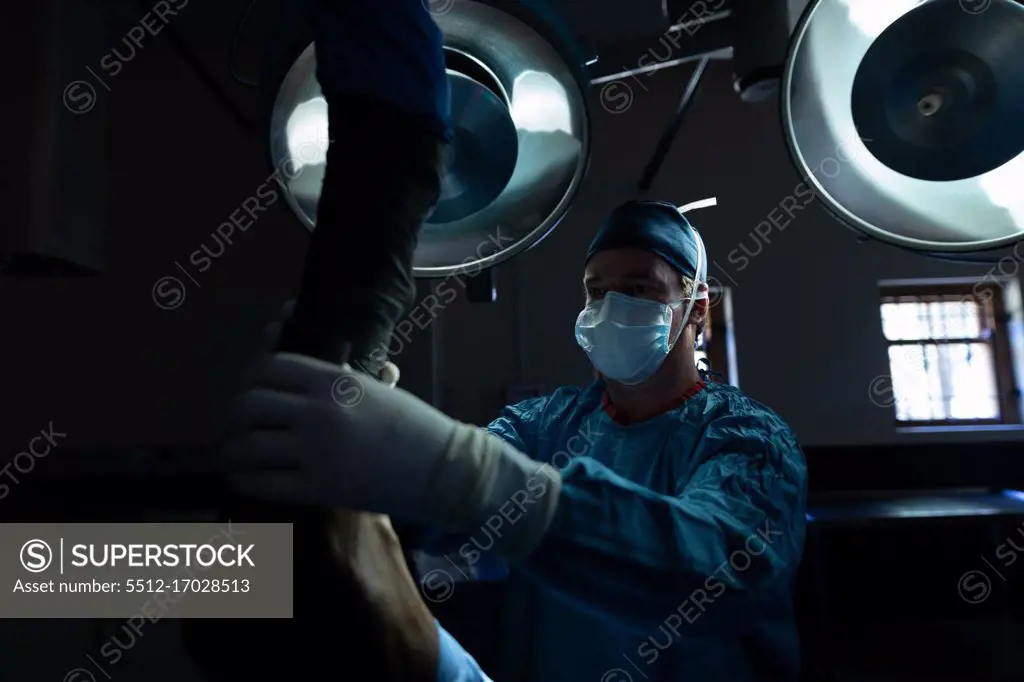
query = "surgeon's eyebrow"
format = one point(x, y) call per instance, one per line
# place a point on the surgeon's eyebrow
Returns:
point(640, 275)
point(648, 278)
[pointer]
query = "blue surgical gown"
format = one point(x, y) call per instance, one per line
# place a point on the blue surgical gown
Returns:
point(388, 51)
point(674, 548)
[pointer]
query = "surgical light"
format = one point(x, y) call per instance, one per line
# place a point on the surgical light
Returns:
point(906, 117)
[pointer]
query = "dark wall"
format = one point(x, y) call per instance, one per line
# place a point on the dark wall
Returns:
point(96, 355)
point(111, 368)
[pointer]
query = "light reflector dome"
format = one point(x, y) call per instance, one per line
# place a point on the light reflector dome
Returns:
point(907, 118)
point(521, 141)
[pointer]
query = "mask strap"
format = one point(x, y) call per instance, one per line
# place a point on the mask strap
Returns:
point(697, 294)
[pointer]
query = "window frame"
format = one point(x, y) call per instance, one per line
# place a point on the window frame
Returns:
point(989, 297)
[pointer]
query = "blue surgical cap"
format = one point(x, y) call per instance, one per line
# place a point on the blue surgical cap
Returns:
point(657, 227)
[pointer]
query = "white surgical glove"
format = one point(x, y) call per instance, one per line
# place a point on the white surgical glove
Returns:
point(311, 432)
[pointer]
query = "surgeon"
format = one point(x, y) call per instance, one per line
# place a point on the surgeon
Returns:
point(653, 521)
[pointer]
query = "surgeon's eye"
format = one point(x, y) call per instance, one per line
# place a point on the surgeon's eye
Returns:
point(595, 292)
point(640, 291)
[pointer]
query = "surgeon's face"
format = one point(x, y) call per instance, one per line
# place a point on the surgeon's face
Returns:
point(636, 273)
point(639, 274)
point(633, 272)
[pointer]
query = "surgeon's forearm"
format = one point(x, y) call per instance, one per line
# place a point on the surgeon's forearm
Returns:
point(629, 596)
point(634, 556)
point(482, 482)
point(381, 69)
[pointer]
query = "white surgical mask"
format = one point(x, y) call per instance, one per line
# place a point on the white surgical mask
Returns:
point(627, 338)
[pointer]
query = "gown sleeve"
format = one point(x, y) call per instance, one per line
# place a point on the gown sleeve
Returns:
point(388, 51)
point(733, 529)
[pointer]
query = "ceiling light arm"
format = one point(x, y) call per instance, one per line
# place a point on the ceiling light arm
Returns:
point(668, 137)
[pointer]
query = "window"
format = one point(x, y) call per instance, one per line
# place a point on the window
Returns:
point(950, 358)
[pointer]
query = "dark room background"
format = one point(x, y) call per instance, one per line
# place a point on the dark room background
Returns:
point(159, 162)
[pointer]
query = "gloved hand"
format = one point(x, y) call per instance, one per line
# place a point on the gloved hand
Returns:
point(310, 432)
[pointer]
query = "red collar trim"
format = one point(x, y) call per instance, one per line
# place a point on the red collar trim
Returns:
point(617, 417)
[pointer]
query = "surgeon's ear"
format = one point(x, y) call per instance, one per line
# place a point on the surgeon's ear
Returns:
point(699, 312)
point(700, 306)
